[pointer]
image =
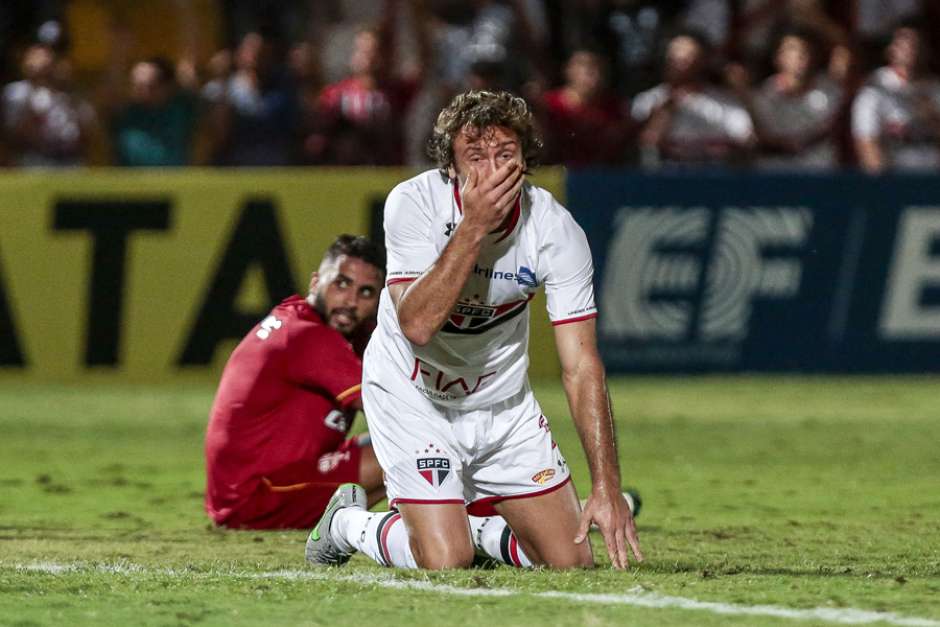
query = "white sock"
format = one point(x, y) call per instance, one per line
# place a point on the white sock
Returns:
point(380, 535)
point(492, 536)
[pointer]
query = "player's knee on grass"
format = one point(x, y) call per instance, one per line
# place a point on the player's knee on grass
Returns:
point(561, 553)
point(575, 556)
point(438, 534)
point(546, 526)
point(437, 554)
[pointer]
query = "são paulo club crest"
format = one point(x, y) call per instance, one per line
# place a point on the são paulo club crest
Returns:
point(433, 469)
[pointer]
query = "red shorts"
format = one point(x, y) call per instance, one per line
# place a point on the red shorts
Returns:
point(295, 496)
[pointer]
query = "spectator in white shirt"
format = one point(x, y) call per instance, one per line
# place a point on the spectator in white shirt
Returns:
point(45, 124)
point(795, 109)
point(685, 120)
point(896, 115)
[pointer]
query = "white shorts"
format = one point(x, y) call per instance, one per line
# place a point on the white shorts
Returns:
point(434, 454)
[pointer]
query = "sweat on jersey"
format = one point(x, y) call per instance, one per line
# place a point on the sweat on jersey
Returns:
point(480, 356)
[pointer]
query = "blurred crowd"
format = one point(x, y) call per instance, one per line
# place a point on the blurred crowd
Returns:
point(771, 84)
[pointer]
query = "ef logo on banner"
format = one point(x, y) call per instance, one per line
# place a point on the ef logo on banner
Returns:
point(689, 274)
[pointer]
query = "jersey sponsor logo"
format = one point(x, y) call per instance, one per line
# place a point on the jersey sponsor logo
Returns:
point(433, 469)
point(522, 276)
point(442, 385)
point(336, 420)
point(493, 275)
point(268, 325)
point(525, 276)
point(543, 476)
point(473, 318)
point(329, 462)
point(449, 228)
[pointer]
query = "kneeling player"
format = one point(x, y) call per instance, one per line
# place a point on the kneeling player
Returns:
point(454, 422)
point(276, 446)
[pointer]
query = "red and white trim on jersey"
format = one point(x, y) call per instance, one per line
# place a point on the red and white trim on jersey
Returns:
point(484, 507)
point(555, 323)
point(511, 221)
point(406, 279)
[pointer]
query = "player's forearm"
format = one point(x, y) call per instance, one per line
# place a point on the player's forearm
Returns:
point(428, 301)
point(590, 407)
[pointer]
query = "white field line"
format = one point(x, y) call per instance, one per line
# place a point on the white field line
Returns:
point(635, 596)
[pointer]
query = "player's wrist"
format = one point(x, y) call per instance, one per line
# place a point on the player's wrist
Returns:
point(471, 230)
point(606, 486)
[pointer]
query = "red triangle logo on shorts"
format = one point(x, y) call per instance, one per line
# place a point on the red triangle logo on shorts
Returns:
point(428, 475)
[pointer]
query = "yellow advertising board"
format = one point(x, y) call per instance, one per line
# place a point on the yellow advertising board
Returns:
point(152, 275)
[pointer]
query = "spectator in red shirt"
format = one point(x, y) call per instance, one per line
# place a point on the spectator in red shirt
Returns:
point(276, 445)
point(584, 123)
point(360, 117)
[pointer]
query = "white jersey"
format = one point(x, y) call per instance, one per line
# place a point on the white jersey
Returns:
point(888, 109)
point(704, 127)
point(806, 116)
point(480, 355)
point(59, 118)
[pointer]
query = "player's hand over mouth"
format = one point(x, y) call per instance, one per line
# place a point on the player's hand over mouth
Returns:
point(488, 197)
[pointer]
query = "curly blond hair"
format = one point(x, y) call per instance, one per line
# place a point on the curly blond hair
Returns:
point(479, 110)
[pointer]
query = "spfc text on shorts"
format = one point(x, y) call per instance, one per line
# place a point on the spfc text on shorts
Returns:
point(434, 469)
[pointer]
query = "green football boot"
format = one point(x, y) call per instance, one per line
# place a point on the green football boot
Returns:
point(321, 549)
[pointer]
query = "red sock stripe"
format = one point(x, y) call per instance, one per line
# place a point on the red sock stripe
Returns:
point(383, 545)
point(514, 551)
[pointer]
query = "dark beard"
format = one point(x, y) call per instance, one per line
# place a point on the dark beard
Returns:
point(319, 304)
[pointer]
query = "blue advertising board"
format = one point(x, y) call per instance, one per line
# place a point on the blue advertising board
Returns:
point(700, 272)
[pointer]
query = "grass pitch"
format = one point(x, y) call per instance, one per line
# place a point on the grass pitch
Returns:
point(792, 492)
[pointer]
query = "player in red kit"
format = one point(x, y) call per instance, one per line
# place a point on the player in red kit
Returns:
point(276, 444)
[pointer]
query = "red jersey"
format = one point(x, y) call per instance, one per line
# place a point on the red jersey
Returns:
point(366, 121)
point(584, 134)
point(284, 397)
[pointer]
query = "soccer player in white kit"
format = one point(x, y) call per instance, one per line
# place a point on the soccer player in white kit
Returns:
point(452, 418)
